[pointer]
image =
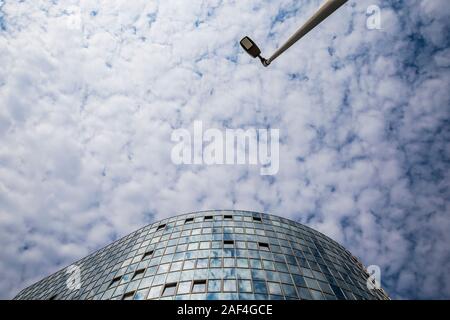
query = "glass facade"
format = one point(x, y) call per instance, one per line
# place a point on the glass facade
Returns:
point(214, 255)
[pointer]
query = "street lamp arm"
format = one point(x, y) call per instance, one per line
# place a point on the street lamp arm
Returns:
point(327, 9)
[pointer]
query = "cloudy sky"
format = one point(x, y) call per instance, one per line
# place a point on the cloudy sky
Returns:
point(90, 92)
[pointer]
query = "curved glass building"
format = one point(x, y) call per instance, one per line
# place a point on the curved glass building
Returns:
point(214, 255)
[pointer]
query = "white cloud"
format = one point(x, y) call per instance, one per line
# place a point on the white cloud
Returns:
point(86, 115)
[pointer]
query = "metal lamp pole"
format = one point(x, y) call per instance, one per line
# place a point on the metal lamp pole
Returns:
point(324, 11)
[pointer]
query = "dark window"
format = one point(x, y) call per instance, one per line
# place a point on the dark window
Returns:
point(160, 227)
point(169, 289)
point(228, 217)
point(199, 286)
point(188, 220)
point(228, 243)
point(263, 246)
point(128, 295)
point(138, 274)
point(147, 254)
point(209, 218)
point(115, 280)
point(53, 297)
point(257, 219)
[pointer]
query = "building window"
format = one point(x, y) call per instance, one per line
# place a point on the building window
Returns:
point(163, 268)
point(228, 262)
point(199, 286)
point(242, 263)
point(245, 286)
point(140, 295)
point(193, 246)
point(115, 281)
point(260, 286)
point(53, 297)
point(160, 227)
point(169, 289)
point(289, 290)
point(189, 264)
point(215, 263)
point(263, 246)
point(214, 285)
point(202, 263)
point(208, 218)
point(188, 220)
point(228, 217)
point(184, 287)
point(204, 245)
point(138, 274)
point(176, 266)
point(257, 219)
point(147, 254)
point(229, 285)
point(228, 243)
point(128, 295)
point(154, 292)
point(274, 288)
point(228, 230)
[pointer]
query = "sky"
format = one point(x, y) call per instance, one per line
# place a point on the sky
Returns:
point(91, 91)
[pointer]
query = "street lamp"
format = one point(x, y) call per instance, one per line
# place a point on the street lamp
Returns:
point(326, 10)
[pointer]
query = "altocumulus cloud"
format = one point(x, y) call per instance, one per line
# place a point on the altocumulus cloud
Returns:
point(90, 92)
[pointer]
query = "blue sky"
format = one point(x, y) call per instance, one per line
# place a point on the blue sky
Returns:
point(90, 92)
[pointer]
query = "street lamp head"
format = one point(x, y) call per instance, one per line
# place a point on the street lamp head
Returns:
point(250, 47)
